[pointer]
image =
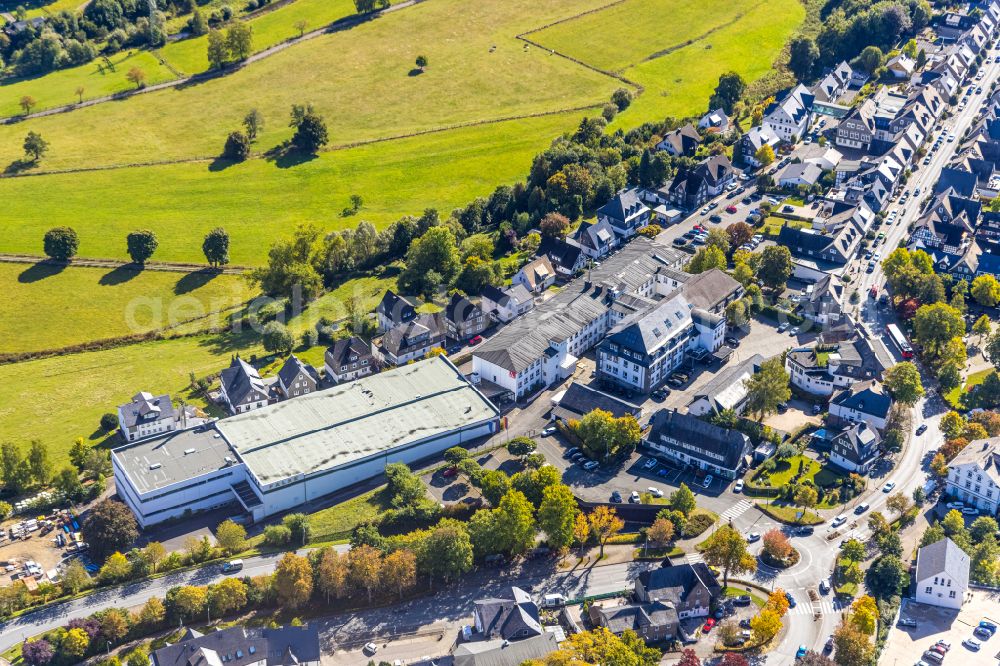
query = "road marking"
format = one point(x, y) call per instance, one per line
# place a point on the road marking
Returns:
point(735, 511)
point(694, 558)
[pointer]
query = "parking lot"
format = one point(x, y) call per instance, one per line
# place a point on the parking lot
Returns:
point(906, 645)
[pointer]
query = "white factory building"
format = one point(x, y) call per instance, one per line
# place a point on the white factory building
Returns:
point(274, 459)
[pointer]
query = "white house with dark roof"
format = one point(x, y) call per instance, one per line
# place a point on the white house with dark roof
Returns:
point(464, 318)
point(727, 390)
point(393, 309)
point(505, 305)
point(714, 121)
point(148, 415)
point(625, 212)
point(942, 574)
point(790, 117)
point(242, 387)
point(596, 239)
point(511, 617)
point(411, 340)
point(754, 139)
point(688, 440)
point(974, 475)
point(683, 141)
point(243, 646)
point(349, 359)
point(822, 370)
point(863, 401)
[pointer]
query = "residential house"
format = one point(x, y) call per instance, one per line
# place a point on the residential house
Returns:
point(857, 128)
point(822, 370)
point(825, 304)
point(410, 341)
point(948, 224)
point(833, 84)
point(790, 117)
point(503, 305)
point(942, 576)
point(348, 359)
point(567, 256)
point(578, 400)
point(715, 121)
point(393, 310)
point(464, 318)
point(863, 401)
point(625, 212)
point(511, 617)
point(16, 27)
point(243, 646)
point(689, 441)
point(297, 378)
point(826, 158)
point(147, 415)
point(691, 188)
point(689, 588)
point(974, 475)
point(755, 139)
point(805, 174)
point(596, 239)
point(243, 389)
point(653, 622)
point(536, 276)
point(901, 66)
point(727, 390)
point(856, 449)
point(681, 142)
point(500, 652)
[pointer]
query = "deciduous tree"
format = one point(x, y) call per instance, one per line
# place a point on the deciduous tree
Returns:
point(141, 245)
point(604, 524)
point(767, 388)
point(986, 290)
point(727, 549)
point(231, 536)
point(293, 580)
point(775, 266)
point(903, 382)
point(216, 247)
point(556, 516)
point(777, 545)
point(765, 625)
point(136, 76)
point(365, 566)
point(399, 571)
point(108, 527)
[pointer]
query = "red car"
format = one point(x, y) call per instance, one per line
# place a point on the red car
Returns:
point(873, 292)
point(450, 472)
point(698, 227)
point(476, 340)
point(709, 623)
point(730, 209)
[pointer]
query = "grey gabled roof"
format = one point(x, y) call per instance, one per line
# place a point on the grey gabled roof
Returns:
point(623, 205)
point(243, 383)
point(647, 330)
point(509, 617)
point(726, 447)
point(861, 442)
point(145, 408)
point(461, 309)
point(238, 646)
point(940, 557)
point(707, 290)
point(395, 307)
point(674, 583)
point(581, 400)
point(291, 369)
point(865, 397)
point(504, 653)
point(341, 351)
point(727, 386)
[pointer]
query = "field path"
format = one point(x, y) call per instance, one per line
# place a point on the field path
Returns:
point(340, 25)
point(165, 266)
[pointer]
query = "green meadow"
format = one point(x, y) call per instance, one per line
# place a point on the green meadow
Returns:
point(73, 305)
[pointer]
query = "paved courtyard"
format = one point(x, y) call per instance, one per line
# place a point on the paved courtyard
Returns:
point(906, 645)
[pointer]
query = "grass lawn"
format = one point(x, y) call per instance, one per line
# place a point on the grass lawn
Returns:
point(772, 225)
point(954, 396)
point(40, 7)
point(787, 514)
point(259, 201)
point(680, 83)
point(58, 399)
point(612, 39)
point(75, 305)
point(336, 523)
point(358, 79)
point(755, 597)
point(190, 55)
point(59, 87)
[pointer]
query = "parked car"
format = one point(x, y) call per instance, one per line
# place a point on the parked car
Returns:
point(475, 341)
point(745, 623)
point(970, 511)
point(979, 632)
point(738, 486)
point(782, 327)
point(232, 566)
point(828, 646)
point(634, 497)
point(838, 520)
point(957, 506)
point(616, 497)
point(570, 451)
point(907, 622)
point(654, 491)
point(708, 481)
point(590, 465)
point(660, 394)
point(944, 645)
point(709, 623)
point(988, 626)
point(972, 644)
point(753, 536)
point(649, 464)
point(551, 430)
point(370, 649)
point(936, 657)
point(742, 600)
point(730, 209)
point(731, 341)
point(861, 508)
point(921, 430)
point(801, 652)
point(887, 488)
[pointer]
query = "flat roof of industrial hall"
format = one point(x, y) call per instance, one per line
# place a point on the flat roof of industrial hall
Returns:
point(163, 461)
point(352, 421)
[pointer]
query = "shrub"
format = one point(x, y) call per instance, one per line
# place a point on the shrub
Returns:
point(696, 524)
point(277, 535)
point(109, 422)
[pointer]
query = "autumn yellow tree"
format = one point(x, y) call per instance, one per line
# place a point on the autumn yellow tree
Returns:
point(293, 580)
point(581, 530)
point(399, 571)
point(605, 523)
point(765, 625)
point(864, 615)
point(777, 602)
point(365, 564)
point(333, 578)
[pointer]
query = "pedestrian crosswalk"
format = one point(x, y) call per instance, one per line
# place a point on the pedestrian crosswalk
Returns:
point(735, 511)
point(822, 606)
point(694, 558)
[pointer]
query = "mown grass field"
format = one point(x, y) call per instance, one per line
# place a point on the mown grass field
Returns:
point(360, 80)
point(75, 305)
point(58, 399)
point(259, 201)
point(190, 55)
point(40, 7)
point(613, 40)
point(96, 78)
point(680, 83)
